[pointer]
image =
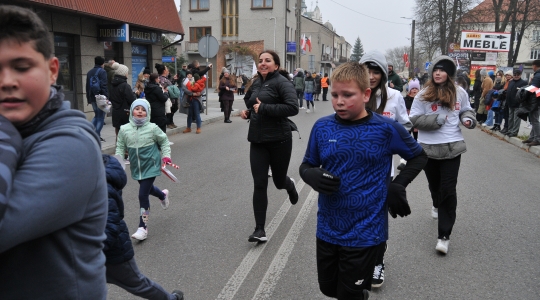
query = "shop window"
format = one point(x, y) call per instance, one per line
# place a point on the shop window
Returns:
point(64, 51)
point(261, 3)
point(112, 50)
point(199, 4)
point(196, 33)
point(139, 61)
point(229, 17)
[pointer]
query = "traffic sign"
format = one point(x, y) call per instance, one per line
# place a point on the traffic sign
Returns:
point(208, 46)
point(168, 59)
point(427, 65)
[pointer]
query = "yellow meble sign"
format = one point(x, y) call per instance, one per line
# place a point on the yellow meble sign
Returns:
point(473, 35)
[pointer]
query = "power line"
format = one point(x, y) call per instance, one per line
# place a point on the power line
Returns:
point(368, 15)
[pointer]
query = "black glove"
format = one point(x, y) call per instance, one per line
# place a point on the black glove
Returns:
point(397, 201)
point(321, 180)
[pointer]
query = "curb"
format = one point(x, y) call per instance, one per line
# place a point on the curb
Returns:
point(512, 140)
point(111, 149)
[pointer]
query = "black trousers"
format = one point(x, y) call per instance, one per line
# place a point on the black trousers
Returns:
point(275, 155)
point(344, 272)
point(324, 92)
point(227, 108)
point(442, 179)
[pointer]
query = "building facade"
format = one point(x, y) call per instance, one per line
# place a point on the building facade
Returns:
point(83, 30)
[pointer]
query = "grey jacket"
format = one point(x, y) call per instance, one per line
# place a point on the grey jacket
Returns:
point(53, 224)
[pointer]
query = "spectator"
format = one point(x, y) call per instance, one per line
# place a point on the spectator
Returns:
point(110, 67)
point(487, 85)
point(299, 86)
point(513, 120)
point(227, 86)
point(325, 82)
point(317, 91)
point(499, 86)
point(156, 96)
point(477, 89)
point(309, 88)
point(192, 103)
point(53, 221)
point(121, 98)
point(534, 115)
point(504, 104)
point(99, 115)
point(394, 81)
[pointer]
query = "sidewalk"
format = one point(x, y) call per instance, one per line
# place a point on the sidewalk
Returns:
point(516, 141)
point(214, 115)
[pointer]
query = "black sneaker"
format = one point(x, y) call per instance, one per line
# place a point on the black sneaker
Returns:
point(179, 294)
point(504, 131)
point(378, 276)
point(258, 235)
point(401, 166)
point(101, 139)
point(293, 194)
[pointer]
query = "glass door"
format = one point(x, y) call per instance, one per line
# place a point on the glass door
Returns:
point(63, 48)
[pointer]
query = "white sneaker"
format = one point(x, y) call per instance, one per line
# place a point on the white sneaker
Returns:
point(269, 172)
point(171, 143)
point(308, 111)
point(165, 202)
point(301, 107)
point(442, 245)
point(434, 213)
point(141, 234)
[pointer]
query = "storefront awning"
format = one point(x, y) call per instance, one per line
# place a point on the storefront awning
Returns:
point(153, 14)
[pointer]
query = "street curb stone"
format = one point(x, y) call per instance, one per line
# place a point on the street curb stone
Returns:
point(512, 140)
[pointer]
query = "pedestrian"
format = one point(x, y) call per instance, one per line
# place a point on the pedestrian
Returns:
point(53, 225)
point(534, 115)
point(143, 140)
point(499, 86)
point(121, 97)
point(389, 103)
point(437, 112)
point(317, 91)
point(96, 84)
point(352, 170)
point(110, 67)
point(269, 100)
point(486, 86)
point(309, 88)
point(394, 81)
point(299, 86)
point(325, 83)
point(239, 84)
point(195, 85)
point(139, 86)
point(121, 267)
point(227, 86)
point(514, 121)
point(156, 96)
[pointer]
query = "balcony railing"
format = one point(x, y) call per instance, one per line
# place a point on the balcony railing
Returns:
point(192, 47)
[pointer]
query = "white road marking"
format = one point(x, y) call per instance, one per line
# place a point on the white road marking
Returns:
point(236, 280)
point(271, 278)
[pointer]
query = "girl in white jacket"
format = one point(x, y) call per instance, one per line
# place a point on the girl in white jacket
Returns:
point(389, 103)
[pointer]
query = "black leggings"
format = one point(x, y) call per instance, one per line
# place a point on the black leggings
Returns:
point(227, 108)
point(262, 155)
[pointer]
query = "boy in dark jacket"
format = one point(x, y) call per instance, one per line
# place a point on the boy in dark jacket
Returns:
point(121, 267)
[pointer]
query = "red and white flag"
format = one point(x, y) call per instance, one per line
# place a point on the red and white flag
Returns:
point(303, 42)
point(308, 43)
point(533, 89)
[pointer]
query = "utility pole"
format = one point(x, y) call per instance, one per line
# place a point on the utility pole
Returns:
point(411, 59)
point(298, 31)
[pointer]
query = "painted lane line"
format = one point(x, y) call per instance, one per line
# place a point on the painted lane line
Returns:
point(236, 280)
point(271, 278)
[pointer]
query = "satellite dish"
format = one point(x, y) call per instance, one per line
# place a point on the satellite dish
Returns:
point(328, 50)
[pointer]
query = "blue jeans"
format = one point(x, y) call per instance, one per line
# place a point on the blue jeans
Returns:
point(489, 121)
point(99, 118)
point(194, 110)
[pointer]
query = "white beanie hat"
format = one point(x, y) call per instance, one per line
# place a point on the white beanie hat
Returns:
point(122, 70)
point(414, 84)
point(115, 65)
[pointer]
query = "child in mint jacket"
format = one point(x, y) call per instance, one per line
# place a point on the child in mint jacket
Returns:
point(143, 140)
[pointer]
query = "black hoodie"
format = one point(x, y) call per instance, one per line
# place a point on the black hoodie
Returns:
point(121, 97)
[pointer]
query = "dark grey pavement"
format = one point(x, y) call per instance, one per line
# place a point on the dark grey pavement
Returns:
point(200, 246)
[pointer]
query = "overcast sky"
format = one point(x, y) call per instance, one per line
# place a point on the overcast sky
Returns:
point(371, 20)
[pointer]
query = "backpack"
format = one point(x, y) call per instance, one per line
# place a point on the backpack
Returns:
point(95, 84)
point(174, 92)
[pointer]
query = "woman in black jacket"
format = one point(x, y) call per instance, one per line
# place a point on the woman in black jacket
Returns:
point(121, 97)
point(477, 89)
point(157, 98)
point(270, 100)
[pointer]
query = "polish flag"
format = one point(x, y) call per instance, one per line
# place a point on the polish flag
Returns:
point(405, 57)
point(308, 43)
point(303, 42)
point(533, 89)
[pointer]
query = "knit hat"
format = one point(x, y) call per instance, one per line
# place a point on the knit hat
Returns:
point(517, 71)
point(509, 72)
point(122, 70)
point(196, 76)
point(140, 102)
point(98, 60)
point(146, 71)
point(414, 84)
point(226, 71)
point(444, 63)
point(115, 65)
point(491, 73)
point(376, 60)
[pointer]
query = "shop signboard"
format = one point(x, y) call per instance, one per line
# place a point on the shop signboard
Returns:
point(113, 33)
point(485, 41)
point(139, 35)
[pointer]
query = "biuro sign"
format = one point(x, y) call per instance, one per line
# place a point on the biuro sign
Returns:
point(485, 41)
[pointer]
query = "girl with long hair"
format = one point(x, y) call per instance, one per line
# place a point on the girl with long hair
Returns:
point(437, 111)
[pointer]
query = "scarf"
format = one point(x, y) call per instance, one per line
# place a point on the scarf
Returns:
point(56, 97)
point(139, 121)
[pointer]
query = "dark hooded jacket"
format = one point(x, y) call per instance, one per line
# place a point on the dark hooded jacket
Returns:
point(278, 101)
point(121, 97)
point(118, 247)
point(156, 98)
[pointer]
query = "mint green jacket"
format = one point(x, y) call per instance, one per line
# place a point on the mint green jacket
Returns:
point(142, 145)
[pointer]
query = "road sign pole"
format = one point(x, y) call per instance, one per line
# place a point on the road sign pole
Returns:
point(207, 77)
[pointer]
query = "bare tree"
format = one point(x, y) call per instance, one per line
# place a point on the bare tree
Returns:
point(394, 57)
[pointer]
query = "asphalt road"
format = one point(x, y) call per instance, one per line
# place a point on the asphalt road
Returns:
point(200, 246)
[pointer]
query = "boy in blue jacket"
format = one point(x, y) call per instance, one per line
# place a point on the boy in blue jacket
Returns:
point(121, 267)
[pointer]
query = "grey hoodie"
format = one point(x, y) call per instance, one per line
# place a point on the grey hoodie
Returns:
point(378, 58)
point(53, 223)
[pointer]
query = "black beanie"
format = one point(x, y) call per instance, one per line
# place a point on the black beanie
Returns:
point(146, 71)
point(98, 60)
point(446, 66)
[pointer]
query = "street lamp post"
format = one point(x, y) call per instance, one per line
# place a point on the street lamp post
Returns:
point(411, 59)
point(274, 31)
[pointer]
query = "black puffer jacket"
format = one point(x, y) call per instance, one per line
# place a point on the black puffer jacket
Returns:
point(121, 97)
point(513, 86)
point(278, 101)
point(118, 247)
point(156, 97)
